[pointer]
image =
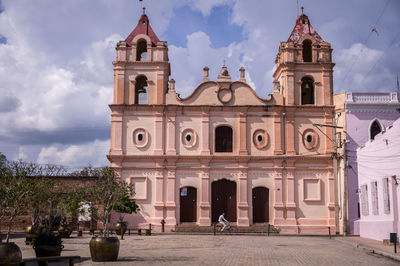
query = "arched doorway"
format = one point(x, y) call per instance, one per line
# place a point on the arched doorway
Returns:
point(223, 193)
point(260, 205)
point(188, 204)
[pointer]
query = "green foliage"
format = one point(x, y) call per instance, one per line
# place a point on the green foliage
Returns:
point(27, 185)
point(14, 190)
point(110, 193)
point(126, 205)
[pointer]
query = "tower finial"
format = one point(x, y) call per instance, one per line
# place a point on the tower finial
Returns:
point(302, 10)
point(141, 5)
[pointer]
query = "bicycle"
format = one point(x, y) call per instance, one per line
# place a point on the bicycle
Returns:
point(229, 228)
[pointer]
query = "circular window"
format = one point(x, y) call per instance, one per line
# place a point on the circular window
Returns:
point(140, 137)
point(310, 139)
point(224, 95)
point(188, 138)
point(260, 139)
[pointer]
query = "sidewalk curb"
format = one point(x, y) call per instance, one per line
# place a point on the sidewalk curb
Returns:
point(373, 250)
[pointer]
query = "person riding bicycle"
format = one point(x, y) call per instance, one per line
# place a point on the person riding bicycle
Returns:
point(223, 221)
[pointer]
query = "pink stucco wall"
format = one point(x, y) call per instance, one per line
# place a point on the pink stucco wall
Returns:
point(378, 163)
point(275, 143)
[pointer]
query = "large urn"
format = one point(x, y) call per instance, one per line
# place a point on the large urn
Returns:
point(120, 228)
point(104, 248)
point(10, 254)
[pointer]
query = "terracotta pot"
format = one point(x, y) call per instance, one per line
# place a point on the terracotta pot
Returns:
point(104, 248)
point(48, 251)
point(10, 253)
point(121, 227)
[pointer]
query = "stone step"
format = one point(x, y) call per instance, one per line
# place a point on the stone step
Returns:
point(256, 228)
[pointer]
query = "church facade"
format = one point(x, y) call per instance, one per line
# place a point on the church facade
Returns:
point(224, 148)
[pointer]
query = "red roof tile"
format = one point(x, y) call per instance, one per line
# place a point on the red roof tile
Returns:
point(143, 27)
point(302, 27)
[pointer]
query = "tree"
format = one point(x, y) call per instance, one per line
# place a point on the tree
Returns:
point(14, 190)
point(109, 193)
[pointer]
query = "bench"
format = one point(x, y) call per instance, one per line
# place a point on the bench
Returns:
point(69, 260)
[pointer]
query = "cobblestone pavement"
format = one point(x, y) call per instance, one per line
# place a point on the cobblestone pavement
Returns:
point(172, 249)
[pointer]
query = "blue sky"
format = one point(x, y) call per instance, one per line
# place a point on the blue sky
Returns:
point(56, 73)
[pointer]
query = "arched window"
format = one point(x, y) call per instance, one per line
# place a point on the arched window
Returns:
point(307, 51)
point(375, 129)
point(141, 90)
point(141, 50)
point(307, 90)
point(223, 139)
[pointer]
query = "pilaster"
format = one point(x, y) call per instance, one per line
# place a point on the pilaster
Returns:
point(290, 135)
point(243, 204)
point(290, 194)
point(243, 134)
point(116, 133)
point(278, 134)
point(171, 204)
point(159, 197)
point(205, 188)
point(278, 192)
point(158, 133)
point(205, 132)
point(171, 148)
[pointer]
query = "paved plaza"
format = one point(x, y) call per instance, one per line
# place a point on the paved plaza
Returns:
point(174, 249)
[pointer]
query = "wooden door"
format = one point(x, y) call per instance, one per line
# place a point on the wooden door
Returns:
point(188, 204)
point(223, 193)
point(260, 205)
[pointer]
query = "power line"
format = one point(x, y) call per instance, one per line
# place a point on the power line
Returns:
point(379, 59)
point(365, 43)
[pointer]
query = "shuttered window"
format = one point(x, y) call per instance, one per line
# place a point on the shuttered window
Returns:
point(364, 200)
point(374, 197)
point(386, 198)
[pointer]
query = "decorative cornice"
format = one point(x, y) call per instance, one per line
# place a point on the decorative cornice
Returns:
point(218, 158)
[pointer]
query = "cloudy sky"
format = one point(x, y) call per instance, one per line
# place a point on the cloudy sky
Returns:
point(56, 78)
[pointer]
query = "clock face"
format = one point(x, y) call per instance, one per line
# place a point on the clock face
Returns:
point(224, 95)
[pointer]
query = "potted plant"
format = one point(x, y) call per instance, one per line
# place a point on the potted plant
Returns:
point(47, 243)
point(71, 202)
point(39, 195)
point(47, 202)
point(125, 205)
point(14, 188)
point(107, 192)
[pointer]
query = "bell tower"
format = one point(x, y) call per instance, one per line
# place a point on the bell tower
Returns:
point(304, 68)
point(142, 68)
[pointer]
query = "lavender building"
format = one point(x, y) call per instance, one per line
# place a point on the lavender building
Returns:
point(364, 115)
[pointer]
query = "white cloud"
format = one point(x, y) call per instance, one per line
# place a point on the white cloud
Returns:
point(187, 63)
point(56, 72)
point(353, 65)
point(93, 153)
point(205, 6)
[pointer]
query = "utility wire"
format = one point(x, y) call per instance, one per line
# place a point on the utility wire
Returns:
point(379, 59)
point(365, 43)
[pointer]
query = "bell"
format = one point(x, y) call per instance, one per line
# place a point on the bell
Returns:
point(307, 86)
point(141, 89)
